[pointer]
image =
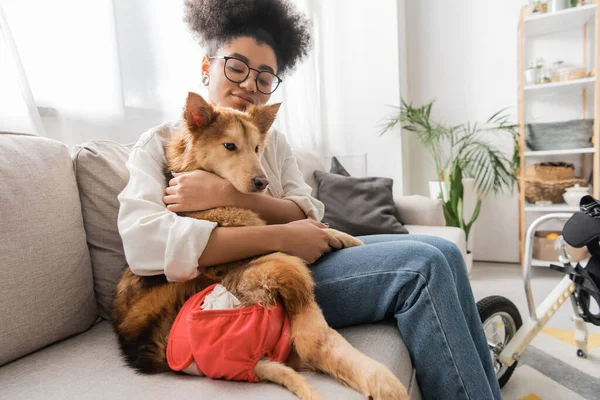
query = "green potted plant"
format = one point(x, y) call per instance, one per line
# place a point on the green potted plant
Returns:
point(460, 152)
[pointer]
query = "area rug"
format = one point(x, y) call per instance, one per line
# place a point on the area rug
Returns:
point(550, 369)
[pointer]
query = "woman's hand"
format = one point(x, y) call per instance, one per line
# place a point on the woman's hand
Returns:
point(198, 191)
point(308, 240)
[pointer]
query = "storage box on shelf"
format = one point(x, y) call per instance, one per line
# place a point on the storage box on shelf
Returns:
point(567, 140)
point(544, 248)
point(563, 135)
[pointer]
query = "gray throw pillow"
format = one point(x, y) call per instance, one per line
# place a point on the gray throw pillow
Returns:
point(337, 168)
point(358, 206)
point(101, 175)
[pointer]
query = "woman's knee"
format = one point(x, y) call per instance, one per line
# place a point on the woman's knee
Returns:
point(453, 255)
point(426, 259)
point(449, 249)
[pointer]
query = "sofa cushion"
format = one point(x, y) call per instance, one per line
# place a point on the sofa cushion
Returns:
point(90, 366)
point(46, 288)
point(359, 206)
point(420, 210)
point(101, 175)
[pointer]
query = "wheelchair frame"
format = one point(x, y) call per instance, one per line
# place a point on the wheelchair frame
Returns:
point(539, 317)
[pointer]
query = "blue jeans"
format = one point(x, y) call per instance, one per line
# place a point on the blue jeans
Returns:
point(421, 281)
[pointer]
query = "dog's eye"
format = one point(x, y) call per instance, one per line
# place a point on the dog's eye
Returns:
point(230, 146)
point(256, 149)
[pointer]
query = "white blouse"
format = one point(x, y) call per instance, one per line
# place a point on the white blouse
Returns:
point(158, 241)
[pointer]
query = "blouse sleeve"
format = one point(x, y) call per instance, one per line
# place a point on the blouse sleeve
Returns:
point(155, 239)
point(294, 186)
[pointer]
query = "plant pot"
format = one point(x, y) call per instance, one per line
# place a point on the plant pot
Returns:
point(469, 201)
point(469, 262)
point(434, 190)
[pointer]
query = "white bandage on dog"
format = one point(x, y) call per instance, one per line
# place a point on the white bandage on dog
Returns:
point(220, 299)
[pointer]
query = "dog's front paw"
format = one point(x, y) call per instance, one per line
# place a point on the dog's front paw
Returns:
point(347, 240)
point(385, 386)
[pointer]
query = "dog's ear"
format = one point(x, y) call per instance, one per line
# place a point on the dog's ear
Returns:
point(263, 116)
point(198, 112)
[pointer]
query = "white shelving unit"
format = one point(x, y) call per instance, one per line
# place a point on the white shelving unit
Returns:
point(533, 27)
point(560, 21)
point(550, 208)
point(555, 87)
point(546, 153)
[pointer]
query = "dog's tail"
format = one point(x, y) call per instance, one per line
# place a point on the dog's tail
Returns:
point(278, 276)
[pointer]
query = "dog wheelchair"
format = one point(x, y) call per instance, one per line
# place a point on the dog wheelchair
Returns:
point(507, 335)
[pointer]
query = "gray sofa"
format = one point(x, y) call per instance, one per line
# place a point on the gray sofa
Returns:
point(60, 257)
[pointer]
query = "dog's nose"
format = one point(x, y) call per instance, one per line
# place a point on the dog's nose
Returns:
point(259, 183)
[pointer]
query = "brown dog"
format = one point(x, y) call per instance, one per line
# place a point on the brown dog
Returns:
point(146, 307)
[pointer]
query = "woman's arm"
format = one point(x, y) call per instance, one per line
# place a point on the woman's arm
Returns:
point(304, 238)
point(201, 190)
point(272, 210)
point(157, 241)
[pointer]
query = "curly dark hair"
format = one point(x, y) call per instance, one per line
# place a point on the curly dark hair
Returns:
point(276, 23)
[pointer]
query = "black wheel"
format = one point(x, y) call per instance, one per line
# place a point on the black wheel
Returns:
point(501, 321)
point(580, 353)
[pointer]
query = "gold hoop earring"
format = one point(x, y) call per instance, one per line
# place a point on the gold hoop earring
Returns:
point(205, 79)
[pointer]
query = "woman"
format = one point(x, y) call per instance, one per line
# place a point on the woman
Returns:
point(419, 280)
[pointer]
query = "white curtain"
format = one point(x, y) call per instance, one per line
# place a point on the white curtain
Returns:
point(111, 69)
point(336, 101)
point(99, 70)
point(300, 115)
point(67, 50)
point(18, 110)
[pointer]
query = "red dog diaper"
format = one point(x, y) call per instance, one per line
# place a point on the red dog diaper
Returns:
point(227, 344)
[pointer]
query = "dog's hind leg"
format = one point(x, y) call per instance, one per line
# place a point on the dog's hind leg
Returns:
point(325, 349)
point(281, 276)
point(282, 374)
point(296, 363)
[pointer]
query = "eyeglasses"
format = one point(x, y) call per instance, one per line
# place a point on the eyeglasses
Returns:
point(237, 71)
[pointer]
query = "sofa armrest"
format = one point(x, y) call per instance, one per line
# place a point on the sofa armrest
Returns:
point(420, 210)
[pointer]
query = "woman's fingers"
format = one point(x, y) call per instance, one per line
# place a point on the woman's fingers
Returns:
point(317, 223)
point(174, 207)
point(171, 199)
point(334, 243)
point(171, 190)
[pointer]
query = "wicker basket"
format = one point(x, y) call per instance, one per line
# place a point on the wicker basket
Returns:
point(550, 171)
point(549, 190)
